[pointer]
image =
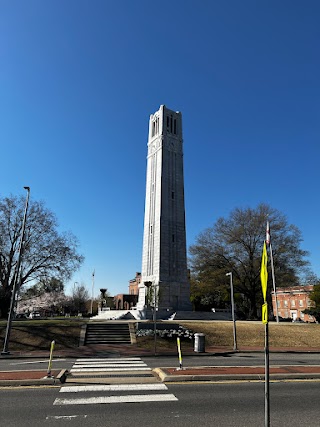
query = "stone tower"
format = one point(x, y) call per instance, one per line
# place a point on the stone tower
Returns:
point(164, 260)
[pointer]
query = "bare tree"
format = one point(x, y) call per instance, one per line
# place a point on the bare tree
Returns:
point(80, 296)
point(235, 244)
point(46, 251)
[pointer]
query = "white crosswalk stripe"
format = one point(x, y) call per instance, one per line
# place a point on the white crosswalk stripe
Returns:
point(110, 359)
point(121, 370)
point(110, 369)
point(113, 387)
point(117, 399)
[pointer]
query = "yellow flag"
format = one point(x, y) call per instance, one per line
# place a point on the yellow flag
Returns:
point(264, 272)
point(265, 313)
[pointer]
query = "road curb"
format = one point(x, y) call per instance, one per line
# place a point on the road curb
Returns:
point(44, 381)
point(166, 378)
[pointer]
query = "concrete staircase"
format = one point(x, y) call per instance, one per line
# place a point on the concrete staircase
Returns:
point(107, 333)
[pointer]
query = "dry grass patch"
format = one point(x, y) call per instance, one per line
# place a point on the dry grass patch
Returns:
point(251, 334)
point(37, 335)
point(162, 343)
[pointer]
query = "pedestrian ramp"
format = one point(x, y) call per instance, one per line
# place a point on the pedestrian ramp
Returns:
point(112, 380)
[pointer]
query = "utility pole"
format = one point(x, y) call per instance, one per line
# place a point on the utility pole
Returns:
point(233, 315)
point(17, 277)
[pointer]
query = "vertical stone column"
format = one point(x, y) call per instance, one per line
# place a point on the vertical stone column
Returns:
point(164, 260)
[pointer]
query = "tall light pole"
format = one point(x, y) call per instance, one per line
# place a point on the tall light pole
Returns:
point(17, 277)
point(233, 317)
point(92, 291)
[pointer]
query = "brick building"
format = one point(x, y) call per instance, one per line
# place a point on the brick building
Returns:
point(134, 284)
point(127, 301)
point(292, 301)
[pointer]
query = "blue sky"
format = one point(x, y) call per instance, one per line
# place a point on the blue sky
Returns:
point(79, 80)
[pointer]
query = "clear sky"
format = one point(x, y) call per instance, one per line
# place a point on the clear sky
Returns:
point(79, 80)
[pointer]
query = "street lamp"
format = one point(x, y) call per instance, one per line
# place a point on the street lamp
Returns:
point(92, 291)
point(233, 317)
point(5, 350)
point(149, 286)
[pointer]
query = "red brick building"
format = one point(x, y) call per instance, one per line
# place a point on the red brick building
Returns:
point(127, 301)
point(292, 301)
point(134, 284)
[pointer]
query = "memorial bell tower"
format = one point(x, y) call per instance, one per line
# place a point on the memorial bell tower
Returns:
point(164, 259)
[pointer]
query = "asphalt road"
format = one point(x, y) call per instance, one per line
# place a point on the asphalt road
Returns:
point(238, 359)
point(233, 404)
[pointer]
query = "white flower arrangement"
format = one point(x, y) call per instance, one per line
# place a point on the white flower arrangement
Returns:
point(166, 333)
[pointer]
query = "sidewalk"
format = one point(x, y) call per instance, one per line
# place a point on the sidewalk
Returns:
point(237, 373)
point(204, 373)
point(133, 350)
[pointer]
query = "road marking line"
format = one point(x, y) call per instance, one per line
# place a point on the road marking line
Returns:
point(96, 359)
point(131, 362)
point(65, 417)
point(108, 363)
point(134, 365)
point(139, 398)
point(108, 369)
point(37, 361)
point(114, 387)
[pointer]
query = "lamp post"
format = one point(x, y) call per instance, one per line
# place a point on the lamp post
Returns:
point(92, 292)
point(17, 277)
point(149, 286)
point(233, 317)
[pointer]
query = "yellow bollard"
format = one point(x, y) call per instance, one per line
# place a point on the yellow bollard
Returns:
point(50, 360)
point(179, 352)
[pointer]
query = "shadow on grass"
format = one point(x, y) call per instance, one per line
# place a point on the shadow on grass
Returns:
point(39, 337)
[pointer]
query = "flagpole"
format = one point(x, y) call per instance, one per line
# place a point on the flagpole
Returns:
point(274, 283)
point(264, 286)
point(268, 243)
point(266, 383)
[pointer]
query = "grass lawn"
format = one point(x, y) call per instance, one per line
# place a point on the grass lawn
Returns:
point(37, 334)
point(251, 334)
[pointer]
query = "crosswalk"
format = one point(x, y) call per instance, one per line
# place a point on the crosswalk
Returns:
point(112, 380)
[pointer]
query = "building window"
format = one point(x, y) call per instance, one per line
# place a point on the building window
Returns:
point(175, 126)
point(173, 238)
point(172, 195)
point(285, 303)
point(293, 303)
point(278, 304)
point(300, 303)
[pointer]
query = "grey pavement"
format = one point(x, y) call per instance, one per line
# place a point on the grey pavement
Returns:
point(18, 377)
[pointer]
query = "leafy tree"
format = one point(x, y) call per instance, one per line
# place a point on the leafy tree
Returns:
point(80, 296)
point(46, 251)
point(204, 296)
point(235, 244)
point(315, 297)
